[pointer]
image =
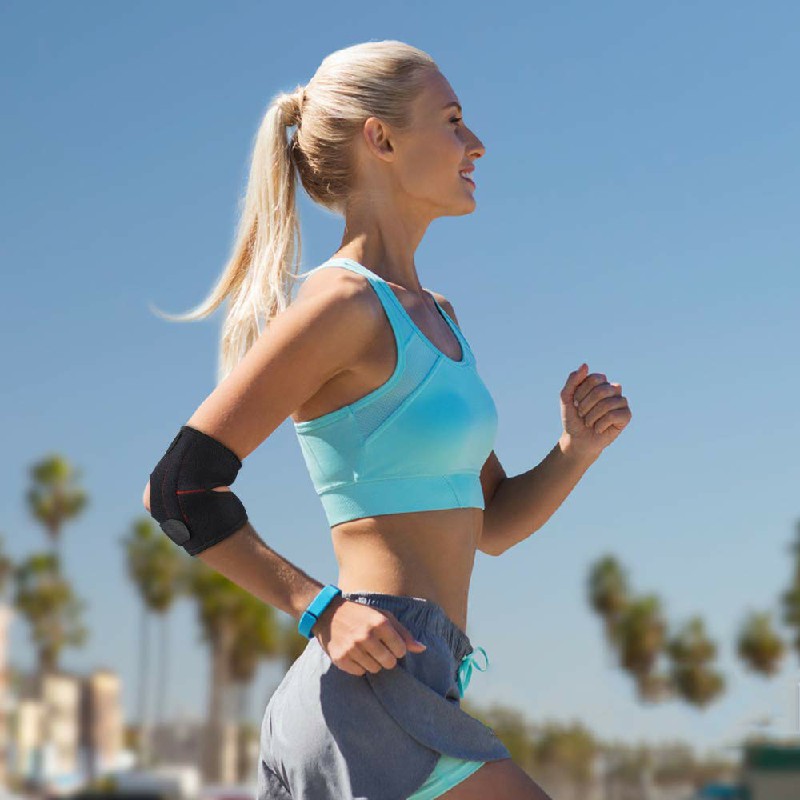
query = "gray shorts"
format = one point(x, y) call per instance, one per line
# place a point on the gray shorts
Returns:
point(331, 735)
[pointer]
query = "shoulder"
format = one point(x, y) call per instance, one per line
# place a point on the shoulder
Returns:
point(334, 283)
point(346, 293)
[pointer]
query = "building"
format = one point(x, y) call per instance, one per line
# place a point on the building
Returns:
point(68, 727)
point(770, 771)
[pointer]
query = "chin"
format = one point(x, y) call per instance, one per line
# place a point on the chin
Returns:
point(458, 207)
point(468, 206)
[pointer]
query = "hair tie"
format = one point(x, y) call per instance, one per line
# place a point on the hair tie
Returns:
point(294, 108)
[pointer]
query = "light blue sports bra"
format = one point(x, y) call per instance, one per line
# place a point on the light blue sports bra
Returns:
point(417, 442)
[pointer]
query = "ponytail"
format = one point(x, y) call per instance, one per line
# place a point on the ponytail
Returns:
point(379, 79)
point(258, 277)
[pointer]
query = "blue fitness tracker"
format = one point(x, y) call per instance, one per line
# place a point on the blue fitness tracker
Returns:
point(316, 607)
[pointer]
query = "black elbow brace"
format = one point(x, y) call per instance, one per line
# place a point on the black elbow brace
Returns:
point(182, 499)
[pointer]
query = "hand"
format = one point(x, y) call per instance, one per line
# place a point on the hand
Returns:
point(359, 638)
point(593, 412)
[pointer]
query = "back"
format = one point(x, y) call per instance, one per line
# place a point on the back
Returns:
point(418, 442)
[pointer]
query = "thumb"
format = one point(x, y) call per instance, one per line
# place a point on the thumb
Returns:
point(574, 379)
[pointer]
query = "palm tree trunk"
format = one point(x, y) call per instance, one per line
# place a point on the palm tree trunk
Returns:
point(243, 765)
point(163, 697)
point(144, 657)
point(213, 765)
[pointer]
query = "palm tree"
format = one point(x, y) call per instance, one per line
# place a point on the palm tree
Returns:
point(565, 754)
point(54, 498)
point(759, 645)
point(6, 572)
point(221, 605)
point(691, 651)
point(156, 568)
point(257, 636)
point(6, 567)
point(46, 600)
point(608, 594)
point(640, 632)
point(790, 599)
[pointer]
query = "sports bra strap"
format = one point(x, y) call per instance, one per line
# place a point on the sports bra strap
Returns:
point(382, 289)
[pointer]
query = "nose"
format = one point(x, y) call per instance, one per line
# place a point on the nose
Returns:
point(476, 150)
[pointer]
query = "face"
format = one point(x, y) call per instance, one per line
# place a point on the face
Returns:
point(427, 159)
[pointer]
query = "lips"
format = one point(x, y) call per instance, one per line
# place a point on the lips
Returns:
point(465, 172)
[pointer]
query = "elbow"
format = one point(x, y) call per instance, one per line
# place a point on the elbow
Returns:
point(488, 542)
point(146, 497)
point(489, 551)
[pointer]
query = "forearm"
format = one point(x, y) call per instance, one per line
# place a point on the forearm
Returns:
point(246, 560)
point(523, 503)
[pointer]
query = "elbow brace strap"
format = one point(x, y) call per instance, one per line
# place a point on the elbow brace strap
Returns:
point(182, 499)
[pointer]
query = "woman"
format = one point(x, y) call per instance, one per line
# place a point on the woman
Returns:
point(396, 428)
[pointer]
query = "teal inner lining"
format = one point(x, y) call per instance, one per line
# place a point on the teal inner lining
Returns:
point(450, 771)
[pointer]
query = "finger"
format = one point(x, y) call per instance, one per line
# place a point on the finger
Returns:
point(603, 407)
point(573, 379)
point(618, 419)
point(396, 636)
point(364, 657)
point(377, 650)
point(601, 399)
point(350, 665)
point(589, 383)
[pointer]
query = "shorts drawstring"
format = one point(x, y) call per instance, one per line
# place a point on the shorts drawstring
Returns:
point(465, 669)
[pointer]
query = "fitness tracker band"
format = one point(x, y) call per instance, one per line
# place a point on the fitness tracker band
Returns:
point(316, 607)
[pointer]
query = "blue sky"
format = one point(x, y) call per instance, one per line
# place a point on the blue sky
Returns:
point(636, 209)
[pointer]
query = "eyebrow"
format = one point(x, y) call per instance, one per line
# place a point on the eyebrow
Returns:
point(453, 103)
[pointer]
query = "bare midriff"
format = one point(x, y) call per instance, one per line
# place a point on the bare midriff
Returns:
point(426, 554)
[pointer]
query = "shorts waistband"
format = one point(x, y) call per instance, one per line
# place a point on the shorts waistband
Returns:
point(418, 610)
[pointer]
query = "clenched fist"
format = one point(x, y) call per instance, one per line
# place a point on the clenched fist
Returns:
point(593, 412)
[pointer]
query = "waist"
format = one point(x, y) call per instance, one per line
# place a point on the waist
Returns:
point(427, 554)
point(419, 613)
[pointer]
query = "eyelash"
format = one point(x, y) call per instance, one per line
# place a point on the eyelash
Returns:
point(456, 119)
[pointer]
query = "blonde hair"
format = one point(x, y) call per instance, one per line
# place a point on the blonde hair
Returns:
point(371, 79)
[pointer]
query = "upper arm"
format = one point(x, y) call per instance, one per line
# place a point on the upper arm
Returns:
point(492, 472)
point(323, 331)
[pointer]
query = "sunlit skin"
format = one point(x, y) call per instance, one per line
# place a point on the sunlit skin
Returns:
point(405, 180)
point(414, 173)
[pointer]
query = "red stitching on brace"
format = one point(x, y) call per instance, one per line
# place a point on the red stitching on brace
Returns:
point(177, 493)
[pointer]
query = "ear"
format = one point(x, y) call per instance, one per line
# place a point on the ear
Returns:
point(377, 136)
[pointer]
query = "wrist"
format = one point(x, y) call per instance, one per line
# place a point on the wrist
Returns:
point(302, 600)
point(324, 620)
point(575, 453)
point(316, 608)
